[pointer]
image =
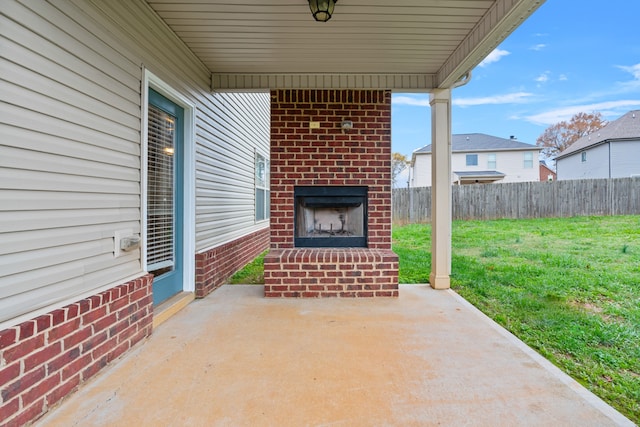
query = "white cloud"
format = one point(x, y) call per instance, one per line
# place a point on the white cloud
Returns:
point(539, 46)
point(634, 70)
point(409, 100)
point(542, 78)
point(609, 108)
point(563, 77)
point(509, 98)
point(494, 56)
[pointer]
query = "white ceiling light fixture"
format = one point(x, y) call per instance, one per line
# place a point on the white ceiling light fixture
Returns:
point(322, 9)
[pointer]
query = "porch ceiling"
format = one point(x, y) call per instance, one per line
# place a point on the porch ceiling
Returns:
point(409, 45)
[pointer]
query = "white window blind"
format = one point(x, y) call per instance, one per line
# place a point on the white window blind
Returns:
point(160, 190)
point(262, 187)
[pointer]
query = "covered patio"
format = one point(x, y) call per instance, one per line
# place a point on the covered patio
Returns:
point(426, 358)
point(366, 47)
point(81, 73)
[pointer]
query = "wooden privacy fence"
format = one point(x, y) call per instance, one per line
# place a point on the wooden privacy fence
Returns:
point(618, 196)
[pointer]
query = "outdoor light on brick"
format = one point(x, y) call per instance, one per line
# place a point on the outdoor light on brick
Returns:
point(346, 125)
point(322, 9)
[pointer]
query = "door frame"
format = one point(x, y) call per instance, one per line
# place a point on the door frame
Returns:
point(188, 226)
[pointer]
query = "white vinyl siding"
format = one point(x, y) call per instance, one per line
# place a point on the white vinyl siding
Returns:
point(572, 167)
point(421, 171)
point(615, 159)
point(625, 159)
point(70, 166)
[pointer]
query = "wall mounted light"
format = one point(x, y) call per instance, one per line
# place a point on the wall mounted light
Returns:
point(346, 125)
point(322, 9)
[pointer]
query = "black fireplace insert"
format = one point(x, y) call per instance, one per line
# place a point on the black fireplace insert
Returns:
point(330, 216)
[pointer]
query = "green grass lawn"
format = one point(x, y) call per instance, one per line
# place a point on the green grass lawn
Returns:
point(569, 288)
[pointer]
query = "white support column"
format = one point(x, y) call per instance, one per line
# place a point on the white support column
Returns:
point(440, 102)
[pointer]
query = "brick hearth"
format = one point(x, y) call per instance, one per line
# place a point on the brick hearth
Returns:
point(329, 156)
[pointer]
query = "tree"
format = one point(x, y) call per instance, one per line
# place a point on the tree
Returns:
point(559, 137)
point(399, 163)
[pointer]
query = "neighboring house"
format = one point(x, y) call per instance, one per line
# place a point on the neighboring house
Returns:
point(546, 173)
point(611, 152)
point(480, 159)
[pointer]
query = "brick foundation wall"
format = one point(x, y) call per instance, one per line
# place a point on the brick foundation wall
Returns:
point(329, 156)
point(312, 273)
point(44, 359)
point(215, 266)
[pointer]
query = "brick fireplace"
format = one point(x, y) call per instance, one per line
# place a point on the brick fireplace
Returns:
point(319, 245)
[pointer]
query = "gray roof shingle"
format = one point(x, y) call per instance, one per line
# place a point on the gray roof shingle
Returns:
point(626, 127)
point(472, 142)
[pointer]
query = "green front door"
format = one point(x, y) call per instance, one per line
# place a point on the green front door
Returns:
point(165, 199)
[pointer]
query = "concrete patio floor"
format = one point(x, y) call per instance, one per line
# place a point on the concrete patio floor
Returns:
point(238, 359)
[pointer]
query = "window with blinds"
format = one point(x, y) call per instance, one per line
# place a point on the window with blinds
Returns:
point(160, 191)
point(262, 187)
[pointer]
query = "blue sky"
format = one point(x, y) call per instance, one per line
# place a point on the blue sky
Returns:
point(568, 57)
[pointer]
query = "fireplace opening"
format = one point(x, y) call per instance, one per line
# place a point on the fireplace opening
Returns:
point(328, 217)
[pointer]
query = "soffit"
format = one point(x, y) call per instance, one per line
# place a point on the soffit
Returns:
point(399, 44)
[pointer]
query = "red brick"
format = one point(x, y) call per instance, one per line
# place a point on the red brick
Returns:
point(40, 390)
point(57, 317)
point(94, 341)
point(29, 414)
point(63, 360)
point(27, 329)
point(41, 356)
point(22, 383)
point(63, 330)
point(9, 373)
point(77, 365)
point(43, 322)
point(94, 315)
point(105, 322)
point(77, 337)
point(8, 337)
point(103, 349)
point(118, 304)
point(23, 348)
point(63, 390)
point(83, 306)
point(93, 368)
point(118, 351)
point(72, 311)
point(9, 409)
point(118, 327)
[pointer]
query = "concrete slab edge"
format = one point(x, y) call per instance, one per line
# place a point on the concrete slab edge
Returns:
point(578, 388)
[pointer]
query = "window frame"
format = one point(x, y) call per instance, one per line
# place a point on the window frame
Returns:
point(492, 161)
point(527, 160)
point(471, 156)
point(262, 211)
point(583, 156)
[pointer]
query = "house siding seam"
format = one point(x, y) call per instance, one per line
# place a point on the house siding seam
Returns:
point(49, 357)
point(215, 266)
